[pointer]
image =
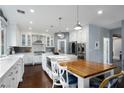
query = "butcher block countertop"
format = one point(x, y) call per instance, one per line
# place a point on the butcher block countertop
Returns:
point(85, 68)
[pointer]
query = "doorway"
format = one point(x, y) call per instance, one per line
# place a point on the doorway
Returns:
point(106, 49)
point(117, 51)
point(62, 46)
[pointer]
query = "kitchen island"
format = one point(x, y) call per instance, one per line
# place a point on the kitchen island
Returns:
point(11, 71)
point(46, 61)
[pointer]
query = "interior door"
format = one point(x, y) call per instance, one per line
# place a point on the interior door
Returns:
point(106, 50)
point(62, 46)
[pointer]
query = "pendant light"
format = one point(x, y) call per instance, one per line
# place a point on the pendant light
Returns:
point(78, 25)
point(60, 34)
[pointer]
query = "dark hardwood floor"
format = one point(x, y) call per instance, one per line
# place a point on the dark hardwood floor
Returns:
point(35, 77)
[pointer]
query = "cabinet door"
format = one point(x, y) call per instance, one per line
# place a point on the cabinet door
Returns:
point(52, 41)
point(2, 84)
point(28, 59)
point(23, 40)
point(48, 41)
point(28, 40)
point(5, 82)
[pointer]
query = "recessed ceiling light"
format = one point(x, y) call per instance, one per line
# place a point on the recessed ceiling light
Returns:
point(30, 28)
point(31, 22)
point(32, 10)
point(100, 12)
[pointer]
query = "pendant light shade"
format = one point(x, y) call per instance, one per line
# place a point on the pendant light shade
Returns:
point(78, 25)
point(60, 34)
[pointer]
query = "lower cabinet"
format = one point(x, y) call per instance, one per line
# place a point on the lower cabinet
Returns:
point(28, 58)
point(12, 78)
point(37, 59)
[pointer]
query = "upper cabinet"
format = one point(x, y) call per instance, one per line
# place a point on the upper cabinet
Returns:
point(52, 41)
point(26, 39)
point(79, 36)
point(49, 41)
point(37, 38)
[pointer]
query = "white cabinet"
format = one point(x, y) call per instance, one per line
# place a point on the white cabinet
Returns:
point(49, 41)
point(79, 36)
point(26, 39)
point(52, 41)
point(28, 58)
point(37, 59)
point(12, 78)
point(5, 82)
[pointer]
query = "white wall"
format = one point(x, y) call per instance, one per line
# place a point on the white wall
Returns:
point(79, 36)
point(13, 35)
point(117, 47)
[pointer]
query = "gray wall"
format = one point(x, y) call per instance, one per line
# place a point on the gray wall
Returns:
point(96, 33)
point(115, 31)
point(56, 38)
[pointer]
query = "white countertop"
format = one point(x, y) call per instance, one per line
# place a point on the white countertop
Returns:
point(7, 62)
point(62, 56)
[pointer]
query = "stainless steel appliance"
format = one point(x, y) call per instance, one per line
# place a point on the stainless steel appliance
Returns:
point(81, 50)
point(73, 47)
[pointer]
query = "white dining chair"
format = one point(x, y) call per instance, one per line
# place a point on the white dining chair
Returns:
point(55, 73)
point(63, 76)
point(66, 79)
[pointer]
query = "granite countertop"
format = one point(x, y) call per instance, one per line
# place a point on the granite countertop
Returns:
point(7, 62)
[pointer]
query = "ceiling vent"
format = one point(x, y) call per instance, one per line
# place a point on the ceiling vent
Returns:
point(21, 11)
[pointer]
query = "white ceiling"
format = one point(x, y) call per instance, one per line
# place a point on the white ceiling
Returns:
point(46, 15)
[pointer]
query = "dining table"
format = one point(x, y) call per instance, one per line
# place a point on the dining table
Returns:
point(85, 70)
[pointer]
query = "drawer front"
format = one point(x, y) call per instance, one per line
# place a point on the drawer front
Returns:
point(12, 78)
